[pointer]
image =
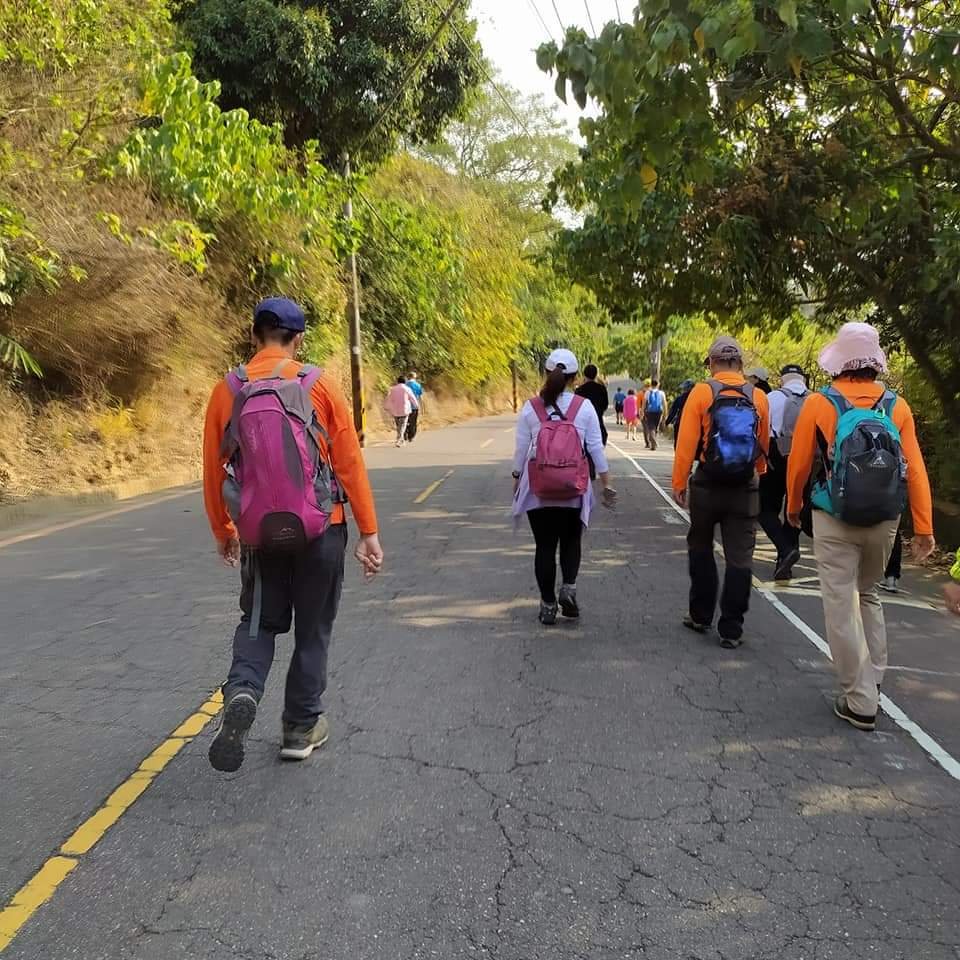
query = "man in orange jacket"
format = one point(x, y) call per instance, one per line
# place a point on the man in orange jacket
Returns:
point(274, 586)
point(851, 559)
point(733, 500)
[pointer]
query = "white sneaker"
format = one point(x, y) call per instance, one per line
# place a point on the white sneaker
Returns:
point(889, 585)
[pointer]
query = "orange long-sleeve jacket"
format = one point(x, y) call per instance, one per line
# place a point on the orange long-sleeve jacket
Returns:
point(334, 415)
point(819, 414)
point(695, 427)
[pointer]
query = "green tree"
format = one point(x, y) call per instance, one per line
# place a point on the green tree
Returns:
point(514, 141)
point(325, 70)
point(754, 157)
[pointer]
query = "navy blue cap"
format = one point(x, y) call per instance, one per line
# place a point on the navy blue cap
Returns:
point(289, 315)
point(792, 368)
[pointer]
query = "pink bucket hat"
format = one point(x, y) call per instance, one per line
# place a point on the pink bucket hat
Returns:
point(856, 347)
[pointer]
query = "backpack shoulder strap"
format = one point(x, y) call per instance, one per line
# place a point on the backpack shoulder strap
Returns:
point(309, 375)
point(574, 408)
point(842, 404)
point(886, 403)
point(278, 369)
point(539, 408)
point(236, 379)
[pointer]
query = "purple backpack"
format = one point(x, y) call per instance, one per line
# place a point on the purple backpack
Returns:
point(278, 490)
point(559, 469)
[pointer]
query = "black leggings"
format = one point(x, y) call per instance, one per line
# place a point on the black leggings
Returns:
point(552, 527)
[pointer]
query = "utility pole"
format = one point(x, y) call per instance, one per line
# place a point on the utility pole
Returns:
point(353, 321)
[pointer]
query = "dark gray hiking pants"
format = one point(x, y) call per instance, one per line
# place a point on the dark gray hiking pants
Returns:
point(304, 588)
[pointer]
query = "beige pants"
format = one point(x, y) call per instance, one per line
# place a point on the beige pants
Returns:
point(851, 561)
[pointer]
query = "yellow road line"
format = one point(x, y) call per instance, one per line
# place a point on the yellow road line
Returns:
point(433, 486)
point(486, 443)
point(93, 518)
point(41, 887)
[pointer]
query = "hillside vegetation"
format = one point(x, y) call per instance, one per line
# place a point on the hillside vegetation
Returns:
point(140, 220)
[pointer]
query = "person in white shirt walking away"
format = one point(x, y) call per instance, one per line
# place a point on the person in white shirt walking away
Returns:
point(551, 480)
point(785, 406)
point(400, 402)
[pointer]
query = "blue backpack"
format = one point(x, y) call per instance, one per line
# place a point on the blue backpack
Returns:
point(654, 402)
point(732, 447)
point(865, 472)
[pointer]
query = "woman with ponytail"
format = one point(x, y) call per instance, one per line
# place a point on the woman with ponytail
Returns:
point(558, 523)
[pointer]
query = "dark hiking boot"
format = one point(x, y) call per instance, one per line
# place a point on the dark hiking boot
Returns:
point(548, 614)
point(731, 643)
point(786, 564)
point(568, 603)
point(857, 720)
point(300, 740)
point(692, 624)
point(226, 751)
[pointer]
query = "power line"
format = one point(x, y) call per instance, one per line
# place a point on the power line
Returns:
point(408, 76)
point(590, 17)
point(383, 223)
point(486, 73)
point(616, 5)
point(536, 10)
point(563, 29)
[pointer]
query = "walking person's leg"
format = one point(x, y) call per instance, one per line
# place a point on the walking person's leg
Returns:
point(317, 585)
point(410, 434)
point(738, 530)
point(401, 425)
point(876, 556)
point(894, 568)
point(546, 534)
point(653, 423)
point(271, 602)
point(773, 489)
point(704, 581)
point(571, 549)
point(837, 547)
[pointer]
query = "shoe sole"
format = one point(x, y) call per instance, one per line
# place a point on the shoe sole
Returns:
point(784, 569)
point(869, 727)
point(301, 753)
point(728, 643)
point(226, 751)
point(700, 628)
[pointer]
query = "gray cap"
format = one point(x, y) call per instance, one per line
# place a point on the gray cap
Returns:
point(724, 348)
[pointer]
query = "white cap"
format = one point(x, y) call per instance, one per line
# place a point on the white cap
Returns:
point(562, 358)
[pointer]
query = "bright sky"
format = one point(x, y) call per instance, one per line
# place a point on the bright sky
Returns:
point(511, 31)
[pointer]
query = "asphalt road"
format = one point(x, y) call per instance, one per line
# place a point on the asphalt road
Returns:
point(617, 788)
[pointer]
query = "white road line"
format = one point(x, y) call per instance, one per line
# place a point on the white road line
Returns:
point(926, 742)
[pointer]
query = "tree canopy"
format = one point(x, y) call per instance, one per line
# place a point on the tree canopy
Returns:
point(325, 70)
point(756, 158)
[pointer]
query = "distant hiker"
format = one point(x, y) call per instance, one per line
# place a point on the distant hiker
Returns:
point(785, 406)
point(726, 424)
point(631, 414)
point(400, 402)
point(870, 462)
point(280, 458)
point(641, 411)
point(414, 419)
point(618, 398)
point(760, 378)
point(591, 389)
point(676, 409)
point(555, 431)
point(654, 407)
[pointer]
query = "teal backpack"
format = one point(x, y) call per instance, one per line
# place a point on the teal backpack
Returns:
point(865, 474)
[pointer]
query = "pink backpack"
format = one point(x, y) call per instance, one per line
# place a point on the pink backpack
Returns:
point(279, 491)
point(559, 469)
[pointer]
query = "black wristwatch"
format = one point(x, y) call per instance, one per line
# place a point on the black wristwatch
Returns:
point(515, 474)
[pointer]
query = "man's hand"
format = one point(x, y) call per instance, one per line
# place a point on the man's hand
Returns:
point(923, 546)
point(369, 555)
point(794, 520)
point(951, 594)
point(609, 497)
point(680, 496)
point(229, 551)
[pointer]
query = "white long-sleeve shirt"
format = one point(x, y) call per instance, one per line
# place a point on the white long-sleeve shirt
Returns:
point(528, 429)
point(778, 404)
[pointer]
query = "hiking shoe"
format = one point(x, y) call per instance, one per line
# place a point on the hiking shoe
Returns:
point(226, 751)
point(692, 624)
point(730, 643)
point(300, 740)
point(857, 720)
point(889, 585)
point(548, 614)
point(786, 564)
point(568, 603)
